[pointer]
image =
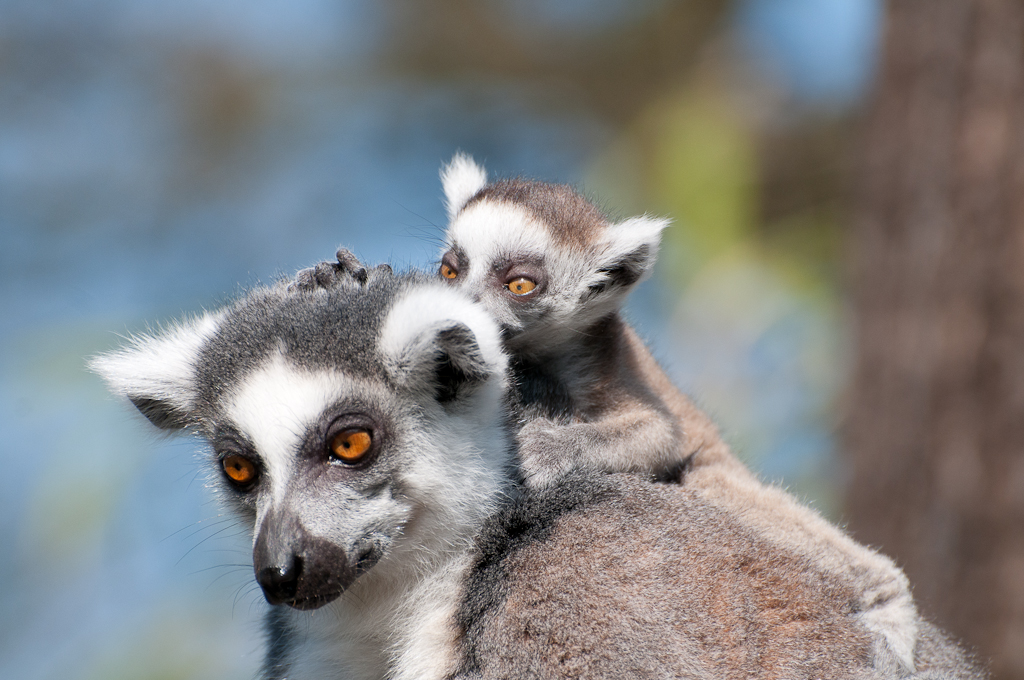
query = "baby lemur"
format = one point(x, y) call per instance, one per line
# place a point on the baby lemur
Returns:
point(554, 272)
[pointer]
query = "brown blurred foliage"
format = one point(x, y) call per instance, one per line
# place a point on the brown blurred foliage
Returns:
point(936, 428)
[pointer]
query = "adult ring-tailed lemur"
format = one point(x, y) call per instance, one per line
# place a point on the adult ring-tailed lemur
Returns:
point(363, 425)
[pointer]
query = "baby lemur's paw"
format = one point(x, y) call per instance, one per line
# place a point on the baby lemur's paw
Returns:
point(346, 270)
point(545, 452)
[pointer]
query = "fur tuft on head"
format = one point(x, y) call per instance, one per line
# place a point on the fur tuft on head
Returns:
point(156, 372)
point(461, 178)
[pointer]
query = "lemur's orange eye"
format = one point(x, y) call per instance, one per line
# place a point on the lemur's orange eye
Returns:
point(448, 272)
point(349, 446)
point(239, 469)
point(520, 286)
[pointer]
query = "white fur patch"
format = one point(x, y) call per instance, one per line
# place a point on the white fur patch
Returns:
point(275, 405)
point(159, 367)
point(461, 178)
point(432, 307)
point(489, 231)
point(489, 227)
point(896, 624)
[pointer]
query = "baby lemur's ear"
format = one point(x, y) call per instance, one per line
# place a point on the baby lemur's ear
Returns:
point(461, 179)
point(156, 372)
point(628, 252)
point(438, 342)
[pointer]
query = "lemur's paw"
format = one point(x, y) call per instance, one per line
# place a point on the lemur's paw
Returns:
point(323, 275)
point(347, 269)
point(349, 265)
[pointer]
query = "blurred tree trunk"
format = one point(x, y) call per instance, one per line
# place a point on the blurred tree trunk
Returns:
point(935, 434)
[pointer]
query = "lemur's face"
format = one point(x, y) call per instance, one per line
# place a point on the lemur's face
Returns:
point(315, 458)
point(508, 260)
point(540, 257)
point(350, 429)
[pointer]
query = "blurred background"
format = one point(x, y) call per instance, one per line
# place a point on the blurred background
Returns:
point(841, 288)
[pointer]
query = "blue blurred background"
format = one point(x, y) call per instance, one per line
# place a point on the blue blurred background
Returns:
point(158, 157)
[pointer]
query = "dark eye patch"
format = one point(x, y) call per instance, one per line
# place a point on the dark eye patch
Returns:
point(510, 268)
point(241, 466)
point(457, 259)
point(341, 418)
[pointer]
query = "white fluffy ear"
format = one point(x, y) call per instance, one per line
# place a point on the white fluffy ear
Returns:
point(156, 373)
point(439, 341)
point(630, 251)
point(461, 178)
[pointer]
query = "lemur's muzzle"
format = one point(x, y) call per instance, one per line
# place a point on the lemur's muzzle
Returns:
point(296, 568)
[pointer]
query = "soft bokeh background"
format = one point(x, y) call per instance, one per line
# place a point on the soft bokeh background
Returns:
point(158, 157)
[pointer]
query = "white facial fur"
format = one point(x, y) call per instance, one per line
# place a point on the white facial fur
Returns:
point(453, 467)
point(276, 405)
point(488, 232)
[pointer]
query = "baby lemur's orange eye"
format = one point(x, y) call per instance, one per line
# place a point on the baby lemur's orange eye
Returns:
point(239, 469)
point(349, 446)
point(520, 286)
point(448, 272)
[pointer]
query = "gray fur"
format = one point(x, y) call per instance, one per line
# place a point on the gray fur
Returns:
point(939, 657)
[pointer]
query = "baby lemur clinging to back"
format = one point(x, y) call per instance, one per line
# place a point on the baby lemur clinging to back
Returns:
point(554, 271)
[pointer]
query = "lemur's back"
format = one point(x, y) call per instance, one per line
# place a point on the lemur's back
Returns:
point(609, 576)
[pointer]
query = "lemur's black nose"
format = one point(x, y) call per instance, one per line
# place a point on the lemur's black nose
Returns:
point(296, 568)
point(280, 583)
